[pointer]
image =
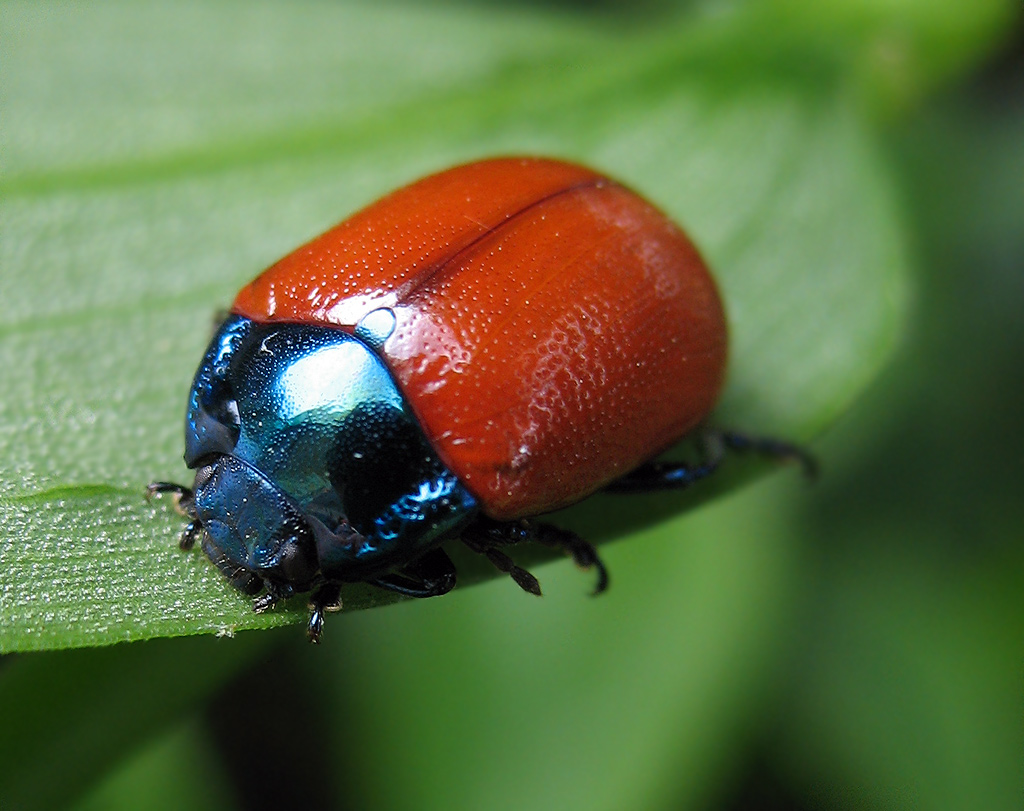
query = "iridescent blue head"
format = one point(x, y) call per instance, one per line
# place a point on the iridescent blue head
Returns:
point(310, 464)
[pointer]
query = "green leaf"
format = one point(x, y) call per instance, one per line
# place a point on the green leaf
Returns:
point(156, 156)
point(135, 202)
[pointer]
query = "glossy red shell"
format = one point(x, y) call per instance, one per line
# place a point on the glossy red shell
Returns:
point(554, 330)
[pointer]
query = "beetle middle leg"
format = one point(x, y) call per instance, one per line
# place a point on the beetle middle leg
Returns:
point(430, 575)
point(487, 537)
point(326, 598)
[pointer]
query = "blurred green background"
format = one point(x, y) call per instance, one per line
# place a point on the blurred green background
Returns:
point(855, 171)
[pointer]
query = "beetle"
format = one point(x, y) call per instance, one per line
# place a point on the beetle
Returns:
point(486, 345)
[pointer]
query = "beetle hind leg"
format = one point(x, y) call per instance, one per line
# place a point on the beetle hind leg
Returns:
point(715, 446)
point(772, 448)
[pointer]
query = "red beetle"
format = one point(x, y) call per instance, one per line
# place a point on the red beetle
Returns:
point(488, 344)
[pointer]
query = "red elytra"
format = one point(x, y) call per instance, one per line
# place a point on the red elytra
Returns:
point(554, 330)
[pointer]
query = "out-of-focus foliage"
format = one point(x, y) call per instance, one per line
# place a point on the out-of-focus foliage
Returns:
point(852, 645)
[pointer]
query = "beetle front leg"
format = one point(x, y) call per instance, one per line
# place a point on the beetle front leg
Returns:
point(180, 490)
point(184, 503)
point(274, 592)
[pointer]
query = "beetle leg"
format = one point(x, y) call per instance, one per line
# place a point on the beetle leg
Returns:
point(502, 562)
point(154, 488)
point(653, 476)
point(325, 599)
point(431, 575)
point(484, 536)
point(264, 602)
point(183, 496)
point(772, 448)
point(190, 534)
point(184, 503)
point(274, 592)
point(715, 444)
point(582, 552)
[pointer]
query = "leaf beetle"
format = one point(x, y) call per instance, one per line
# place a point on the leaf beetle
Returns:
point(484, 346)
